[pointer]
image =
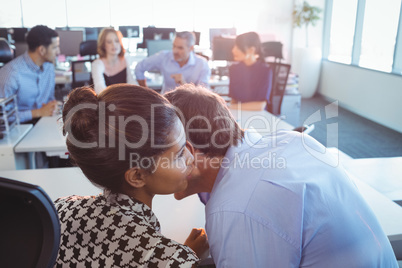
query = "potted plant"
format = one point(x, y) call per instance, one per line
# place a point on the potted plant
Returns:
point(306, 15)
point(306, 60)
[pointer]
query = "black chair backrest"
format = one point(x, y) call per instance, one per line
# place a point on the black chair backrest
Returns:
point(29, 226)
point(88, 47)
point(280, 73)
point(81, 72)
point(272, 49)
point(6, 52)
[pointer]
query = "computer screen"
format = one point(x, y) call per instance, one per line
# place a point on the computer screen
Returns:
point(19, 34)
point(70, 42)
point(4, 33)
point(91, 33)
point(222, 32)
point(153, 33)
point(130, 31)
point(154, 46)
point(197, 38)
point(222, 48)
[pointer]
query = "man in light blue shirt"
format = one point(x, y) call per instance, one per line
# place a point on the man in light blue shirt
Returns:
point(31, 76)
point(178, 66)
point(273, 203)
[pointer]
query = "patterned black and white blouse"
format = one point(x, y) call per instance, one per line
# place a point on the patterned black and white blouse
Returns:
point(114, 230)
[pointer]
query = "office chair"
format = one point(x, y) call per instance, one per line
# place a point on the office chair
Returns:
point(89, 48)
point(6, 52)
point(29, 226)
point(81, 73)
point(279, 81)
point(280, 73)
point(273, 49)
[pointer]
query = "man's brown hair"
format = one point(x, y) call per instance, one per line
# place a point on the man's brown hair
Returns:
point(209, 125)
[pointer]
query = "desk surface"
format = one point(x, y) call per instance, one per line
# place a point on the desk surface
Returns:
point(45, 136)
point(177, 218)
point(383, 174)
point(15, 135)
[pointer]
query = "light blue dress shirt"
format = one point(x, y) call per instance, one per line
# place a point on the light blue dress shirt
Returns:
point(276, 205)
point(196, 70)
point(33, 85)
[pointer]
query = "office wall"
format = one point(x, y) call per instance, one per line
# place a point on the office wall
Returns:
point(371, 94)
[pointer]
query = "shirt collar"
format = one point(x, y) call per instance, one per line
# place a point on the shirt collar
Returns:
point(251, 137)
point(30, 63)
point(129, 203)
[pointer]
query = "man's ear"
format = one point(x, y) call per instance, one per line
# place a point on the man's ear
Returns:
point(190, 147)
point(42, 50)
point(135, 177)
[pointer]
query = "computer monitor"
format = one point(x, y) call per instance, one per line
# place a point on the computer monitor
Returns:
point(154, 46)
point(197, 38)
point(91, 33)
point(130, 31)
point(223, 32)
point(222, 48)
point(153, 33)
point(19, 34)
point(4, 33)
point(70, 42)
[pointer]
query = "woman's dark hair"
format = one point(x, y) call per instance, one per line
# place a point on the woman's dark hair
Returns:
point(40, 35)
point(250, 39)
point(109, 133)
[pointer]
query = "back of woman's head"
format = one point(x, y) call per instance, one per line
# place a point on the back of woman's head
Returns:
point(109, 133)
point(247, 40)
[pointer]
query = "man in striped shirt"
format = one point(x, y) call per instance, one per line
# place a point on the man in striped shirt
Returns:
point(31, 76)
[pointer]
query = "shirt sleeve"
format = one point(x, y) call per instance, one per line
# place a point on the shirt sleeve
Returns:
point(205, 74)
point(236, 240)
point(130, 77)
point(150, 63)
point(9, 87)
point(98, 68)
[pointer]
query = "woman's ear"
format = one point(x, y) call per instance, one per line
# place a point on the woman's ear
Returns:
point(135, 177)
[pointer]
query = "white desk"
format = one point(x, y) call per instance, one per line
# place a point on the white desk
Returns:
point(263, 121)
point(46, 136)
point(177, 218)
point(383, 174)
point(8, 159)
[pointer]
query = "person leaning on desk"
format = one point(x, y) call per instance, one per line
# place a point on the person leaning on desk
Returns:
point(274, 203)
point(178, 66)
point(31, 76)
point(111, 67)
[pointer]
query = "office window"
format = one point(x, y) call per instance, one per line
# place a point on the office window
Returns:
point(379, 34)
point(342, 30)
point(51, 13)
point(131, 13)
point(88, 13)
point(10, 13)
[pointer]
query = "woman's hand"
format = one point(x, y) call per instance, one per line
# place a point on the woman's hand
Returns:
point(198, 242)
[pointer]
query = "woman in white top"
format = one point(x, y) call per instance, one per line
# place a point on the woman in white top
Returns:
point(111, 67)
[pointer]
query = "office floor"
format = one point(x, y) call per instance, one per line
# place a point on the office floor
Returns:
point(356, 136)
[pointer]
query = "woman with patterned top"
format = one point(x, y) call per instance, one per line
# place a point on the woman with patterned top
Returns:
point(129, 141)
point(112, 67)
